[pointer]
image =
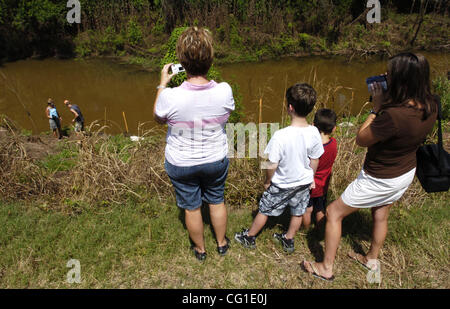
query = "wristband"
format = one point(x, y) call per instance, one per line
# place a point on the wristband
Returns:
point(160, 87)
point(373, 112)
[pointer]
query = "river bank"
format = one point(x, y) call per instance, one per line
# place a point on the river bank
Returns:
point(244, 44)
point(242, 33)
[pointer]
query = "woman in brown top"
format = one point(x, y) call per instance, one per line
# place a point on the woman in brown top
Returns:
point(401, 119)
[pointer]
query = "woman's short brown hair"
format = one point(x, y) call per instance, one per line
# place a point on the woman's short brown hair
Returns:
point(195, 50)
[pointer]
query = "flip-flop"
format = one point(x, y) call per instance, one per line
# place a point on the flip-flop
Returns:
point(315, 272)
point(367, 266)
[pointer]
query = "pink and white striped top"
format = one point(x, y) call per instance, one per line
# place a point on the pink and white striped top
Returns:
point(196, 116)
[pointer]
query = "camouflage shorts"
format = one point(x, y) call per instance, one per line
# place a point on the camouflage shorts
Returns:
point(79, 126)
point(274, 200)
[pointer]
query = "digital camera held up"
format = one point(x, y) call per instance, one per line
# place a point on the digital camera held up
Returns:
point(177, 68)
point(377, 79)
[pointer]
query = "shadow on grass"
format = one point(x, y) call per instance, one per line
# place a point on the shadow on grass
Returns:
point(281, 221)
point(356, 227)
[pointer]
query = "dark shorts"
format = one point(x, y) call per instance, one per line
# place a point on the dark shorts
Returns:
point(274, 200)
point(318, 203)
point(194, 184)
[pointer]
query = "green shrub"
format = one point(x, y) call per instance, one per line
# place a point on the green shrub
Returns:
point(304, 40)
point(236, 41)
point(83, 45)
point(110, 42)
point(62, 161)
point(171, 56)
point(158, 28)
point(134, 32)
point(386, 44)
point(26, 132)
point(442, 88)
point(288, 44)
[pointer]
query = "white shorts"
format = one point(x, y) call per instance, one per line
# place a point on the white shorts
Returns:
point(367, 191)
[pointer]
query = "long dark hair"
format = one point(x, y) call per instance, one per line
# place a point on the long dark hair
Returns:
point(409, 79)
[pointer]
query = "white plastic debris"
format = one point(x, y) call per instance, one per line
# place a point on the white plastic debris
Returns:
point(346, 124)
point(136, 138)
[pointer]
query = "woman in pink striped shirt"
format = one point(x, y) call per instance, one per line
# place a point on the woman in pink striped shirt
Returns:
point(196, 113)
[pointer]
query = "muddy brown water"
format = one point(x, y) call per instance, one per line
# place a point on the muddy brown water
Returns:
point(103, 87)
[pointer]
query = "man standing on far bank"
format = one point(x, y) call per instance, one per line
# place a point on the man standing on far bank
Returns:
point(78, 120)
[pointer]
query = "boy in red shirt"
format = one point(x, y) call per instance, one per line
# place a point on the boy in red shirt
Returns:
point(325, 121)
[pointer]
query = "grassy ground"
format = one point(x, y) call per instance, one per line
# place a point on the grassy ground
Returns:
point(130, 246)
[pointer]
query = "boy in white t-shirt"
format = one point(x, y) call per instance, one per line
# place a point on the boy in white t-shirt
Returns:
point(294, 154)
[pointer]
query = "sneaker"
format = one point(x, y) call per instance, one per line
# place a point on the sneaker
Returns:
point(287, 244)
point(245, 240)
point(223, 250)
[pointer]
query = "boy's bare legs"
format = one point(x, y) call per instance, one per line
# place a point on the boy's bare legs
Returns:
point(320, 219)
point(336, 212)
point(307, 218)
point(294, 226)
point(258, 224)
point(218, 214)
point(194, 224)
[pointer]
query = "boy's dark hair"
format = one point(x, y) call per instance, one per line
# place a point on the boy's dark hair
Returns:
point(325, 120)
point(302, 97)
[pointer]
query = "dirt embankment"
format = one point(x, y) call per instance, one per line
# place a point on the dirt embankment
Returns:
point(36, 147)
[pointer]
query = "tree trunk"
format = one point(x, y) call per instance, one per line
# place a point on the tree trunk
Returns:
point(423, 10)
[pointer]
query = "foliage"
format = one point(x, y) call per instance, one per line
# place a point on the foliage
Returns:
point(62, 161)
point(171, 56)
point(134, 32)
point(442, 88)
point(251, 28)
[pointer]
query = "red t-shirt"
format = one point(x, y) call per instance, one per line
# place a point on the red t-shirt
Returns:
point(323, 173)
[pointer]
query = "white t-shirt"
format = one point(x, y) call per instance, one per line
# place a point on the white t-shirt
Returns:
point(292, 148)
point(196, 116)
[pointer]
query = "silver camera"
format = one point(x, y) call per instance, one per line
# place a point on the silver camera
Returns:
point(177, 68)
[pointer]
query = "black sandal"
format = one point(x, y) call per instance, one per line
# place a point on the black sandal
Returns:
point(223, 250)
point(200, 256)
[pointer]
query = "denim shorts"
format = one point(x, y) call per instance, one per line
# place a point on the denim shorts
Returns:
point(54, 124)
point(194, 184)
point(274, 200)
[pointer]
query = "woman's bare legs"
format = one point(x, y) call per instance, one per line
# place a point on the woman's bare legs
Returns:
point(380, 217)
point(194, 224)
point(336, 212)
point(218, 214)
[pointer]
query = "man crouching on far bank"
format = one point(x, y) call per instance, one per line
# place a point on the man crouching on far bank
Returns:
point(78, 119)
point(294, 154)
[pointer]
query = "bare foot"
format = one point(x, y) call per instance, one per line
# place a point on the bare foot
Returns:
point(369, 264)
point(358, 257)
point(318, 270)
